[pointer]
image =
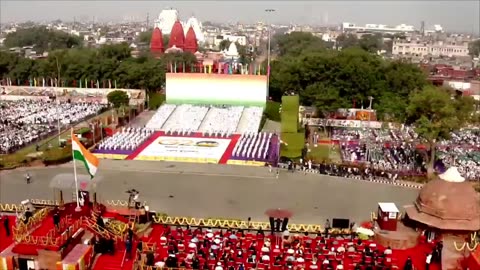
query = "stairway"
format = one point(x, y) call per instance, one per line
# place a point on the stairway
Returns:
point(115, 261)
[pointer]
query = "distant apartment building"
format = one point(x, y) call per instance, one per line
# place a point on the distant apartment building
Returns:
point(436, 49)
point(377, 28)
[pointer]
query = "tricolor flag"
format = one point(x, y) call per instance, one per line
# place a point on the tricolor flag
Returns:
point(80, 153)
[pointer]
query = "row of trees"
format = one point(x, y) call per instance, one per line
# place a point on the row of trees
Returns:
point(331, 79)
point(42, 39)
point(111, 62)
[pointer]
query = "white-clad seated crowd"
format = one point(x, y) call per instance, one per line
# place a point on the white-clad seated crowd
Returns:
point(250, 121)
point(127, 139)
point(253, 146)
point(160, 117)
point(186, 119)
point(23, 122)
point(221, 121)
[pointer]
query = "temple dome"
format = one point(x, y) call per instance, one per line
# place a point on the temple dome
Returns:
point(447, 203)
point(197, 27)
point(177, 38)
point(232, 50)
point(191, 41)
point(166, 19)
point(156, 43)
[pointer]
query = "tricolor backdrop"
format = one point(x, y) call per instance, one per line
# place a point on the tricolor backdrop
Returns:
point(216, 89)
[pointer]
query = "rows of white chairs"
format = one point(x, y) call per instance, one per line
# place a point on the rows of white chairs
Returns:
point(253, 146)
point(185, 118)
point(161, 116)
point(250, 120)
point(126, 139)
point(221, 121)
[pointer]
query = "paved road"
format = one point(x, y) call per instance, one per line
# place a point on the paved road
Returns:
point(208, 190)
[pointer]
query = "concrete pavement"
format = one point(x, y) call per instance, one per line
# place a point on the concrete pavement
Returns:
point(219, 191)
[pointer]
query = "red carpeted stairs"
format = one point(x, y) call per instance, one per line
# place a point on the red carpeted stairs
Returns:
point(228, 152)
point(114, 262)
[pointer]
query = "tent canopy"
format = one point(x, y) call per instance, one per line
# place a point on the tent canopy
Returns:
point(67, 181)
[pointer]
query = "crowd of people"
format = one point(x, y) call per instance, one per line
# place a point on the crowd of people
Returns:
point(254, 146)
point(400, 152)
point(221, 121)
point(24, 122)
point(126, 139)
point(231, 250)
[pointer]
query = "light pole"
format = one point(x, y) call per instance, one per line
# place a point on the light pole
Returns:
point(268, 51)
point(57, 100)
point(370, 112)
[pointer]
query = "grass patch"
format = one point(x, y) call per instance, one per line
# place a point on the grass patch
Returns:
point(324, 153)
point(289, 114)
point(155, 100)
point(293, 145)
point(272, 111)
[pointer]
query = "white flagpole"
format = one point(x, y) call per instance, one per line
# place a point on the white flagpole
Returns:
point(78, 208)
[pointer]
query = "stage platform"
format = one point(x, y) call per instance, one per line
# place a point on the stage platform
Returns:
point(192, 148)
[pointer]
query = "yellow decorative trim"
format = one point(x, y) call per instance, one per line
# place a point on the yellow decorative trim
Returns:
point(239, 224)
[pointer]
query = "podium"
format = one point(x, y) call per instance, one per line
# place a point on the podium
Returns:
point(387, 216)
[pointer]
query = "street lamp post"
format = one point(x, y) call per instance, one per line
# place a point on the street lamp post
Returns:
point(268, 51)
point(57, 100)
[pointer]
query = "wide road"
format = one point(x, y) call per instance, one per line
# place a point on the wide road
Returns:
point(219, 191)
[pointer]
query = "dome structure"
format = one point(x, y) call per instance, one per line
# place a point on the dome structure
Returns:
point(177, 38)
point(166, 20)
point(191, 41)
point(232, 52)
point(197, 27)
point(156, 43)
point(447, 203)
point(173, 49)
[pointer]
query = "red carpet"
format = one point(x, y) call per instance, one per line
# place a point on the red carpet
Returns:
point(5, 240)
point(418, 255)
point(144, 145)
point(113, 215)
point(114, 262)
point(228, 152)
point(45, 227)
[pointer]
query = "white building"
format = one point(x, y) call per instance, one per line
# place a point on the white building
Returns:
point(379, 28)
point(421, 49)
point(242, 40)
point(197, 27)
point(166, 19)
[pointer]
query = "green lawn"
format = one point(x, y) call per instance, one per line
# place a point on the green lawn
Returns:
point(324, 153)
point(289, 114)
point(293, 145)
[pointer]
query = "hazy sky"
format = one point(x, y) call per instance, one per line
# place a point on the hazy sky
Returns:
point(455, 15)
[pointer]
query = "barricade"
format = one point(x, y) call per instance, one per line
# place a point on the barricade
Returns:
point(240, 224)
point(21, 229)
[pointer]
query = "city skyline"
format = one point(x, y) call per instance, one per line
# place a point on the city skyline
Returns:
point(466, 17)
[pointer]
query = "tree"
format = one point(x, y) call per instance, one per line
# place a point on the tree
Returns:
point(224, 44)
point(118, 98)
point(346, 41)
point(368, 42)
point(145, 37)
point(330, 78)
point(474, 48)
point(42, 39)
point(296, 42)
point(435, 114)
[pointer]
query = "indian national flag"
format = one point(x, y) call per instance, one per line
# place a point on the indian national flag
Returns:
point(82, 154)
